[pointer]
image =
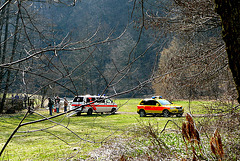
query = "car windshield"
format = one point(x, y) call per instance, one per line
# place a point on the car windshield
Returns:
point(164, 102)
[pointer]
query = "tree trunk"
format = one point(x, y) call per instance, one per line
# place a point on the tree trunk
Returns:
point(4, 53)
point(229, 11)
point(43, 94)
point(11, 59)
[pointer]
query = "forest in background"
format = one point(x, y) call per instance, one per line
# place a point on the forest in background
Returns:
point(51, 23)
point(69, 48)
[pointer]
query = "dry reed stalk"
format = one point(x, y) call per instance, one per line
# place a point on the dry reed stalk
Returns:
point(123, 158)
point(212, 145)
point(189, 130)
point(191, 134)
point(216, 145)
point(194, 158)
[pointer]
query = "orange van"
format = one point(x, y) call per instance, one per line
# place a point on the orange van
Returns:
point(158, 106)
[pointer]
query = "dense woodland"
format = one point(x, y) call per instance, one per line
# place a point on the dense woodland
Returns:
point(41, 25)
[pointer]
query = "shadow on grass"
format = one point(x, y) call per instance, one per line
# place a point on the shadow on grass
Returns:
point(172, 116)
point(95, 115)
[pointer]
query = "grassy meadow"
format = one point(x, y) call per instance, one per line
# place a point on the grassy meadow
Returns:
point(76, 136)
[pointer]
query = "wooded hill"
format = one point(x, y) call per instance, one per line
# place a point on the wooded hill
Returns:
point(49, 24)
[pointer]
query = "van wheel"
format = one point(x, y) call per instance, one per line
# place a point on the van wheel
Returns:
point(113, 110)
point(89, 112)
point(79, 114)
point(142, 113)
point(166, 113)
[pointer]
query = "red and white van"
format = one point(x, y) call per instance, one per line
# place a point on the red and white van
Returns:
point(92, 103)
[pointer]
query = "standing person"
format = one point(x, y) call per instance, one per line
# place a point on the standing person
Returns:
point(31, 101)
point(25, 100)
point(65, 103)
point(13, 98)
point(50, 105)
point(57, 102)
point(16, 97)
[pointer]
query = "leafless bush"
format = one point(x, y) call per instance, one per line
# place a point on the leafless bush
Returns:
point(13, 106)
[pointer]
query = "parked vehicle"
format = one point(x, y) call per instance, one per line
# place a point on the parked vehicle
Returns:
point(158, 106)
point(93, 104)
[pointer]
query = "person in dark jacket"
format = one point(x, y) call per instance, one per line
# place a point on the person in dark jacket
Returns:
point(50, 105)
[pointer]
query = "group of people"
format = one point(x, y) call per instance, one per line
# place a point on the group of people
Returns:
point(56, 104)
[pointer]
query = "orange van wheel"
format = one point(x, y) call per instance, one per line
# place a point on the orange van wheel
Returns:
point(166, 113)
point(142, 113)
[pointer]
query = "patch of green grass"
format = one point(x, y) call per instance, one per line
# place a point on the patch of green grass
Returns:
point(59, 142)
point(127, 105)
point(194, 107)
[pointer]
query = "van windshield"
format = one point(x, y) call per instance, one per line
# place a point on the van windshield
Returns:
point(78, 99)
point(100, 100)
point(164, 102)
point(108, 101)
